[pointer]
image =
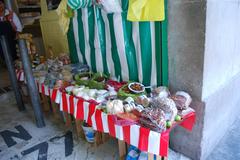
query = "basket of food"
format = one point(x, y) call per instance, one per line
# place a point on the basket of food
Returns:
point(133, 90)
point(83, 78)
point(98, 81)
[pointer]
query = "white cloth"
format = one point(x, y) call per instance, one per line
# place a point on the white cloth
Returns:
point(16, 20)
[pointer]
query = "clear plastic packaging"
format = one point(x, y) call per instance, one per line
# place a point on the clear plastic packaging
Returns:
point(182, 100)
point(153, 118)
point(111, 6)
point(167, 105)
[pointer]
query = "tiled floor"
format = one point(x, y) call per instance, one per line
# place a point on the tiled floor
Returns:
point(50, 137)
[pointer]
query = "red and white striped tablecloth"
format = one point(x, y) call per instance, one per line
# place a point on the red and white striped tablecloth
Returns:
point(143, 138)
point(78, 107)
point(20, 75)
point(140, 137)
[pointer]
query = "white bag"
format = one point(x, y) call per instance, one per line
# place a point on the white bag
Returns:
point(111, 6)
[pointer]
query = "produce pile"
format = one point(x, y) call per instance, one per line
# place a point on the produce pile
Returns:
point(129, 102)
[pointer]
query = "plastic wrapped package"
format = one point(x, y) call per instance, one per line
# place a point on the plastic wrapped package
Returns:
point(167, 105)
point(182, 100)
point(115, 106)
point(153, 118)
point(161, 92)
point(143, 100)
point(79, 68)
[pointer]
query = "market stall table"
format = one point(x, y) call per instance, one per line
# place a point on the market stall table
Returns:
point(143, 138)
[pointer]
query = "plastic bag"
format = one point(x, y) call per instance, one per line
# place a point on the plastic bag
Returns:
point(76, 4)
point(133, 153)
point(146, 10)
point(111, 6)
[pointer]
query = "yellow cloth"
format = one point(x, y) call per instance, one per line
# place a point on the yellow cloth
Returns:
point(64, 20)
point(146, 10)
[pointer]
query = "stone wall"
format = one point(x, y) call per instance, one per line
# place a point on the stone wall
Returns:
point(204, 60)
point(221, 76)
point(186, 39)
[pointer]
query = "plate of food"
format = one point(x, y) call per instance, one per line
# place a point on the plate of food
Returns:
point(136, 87)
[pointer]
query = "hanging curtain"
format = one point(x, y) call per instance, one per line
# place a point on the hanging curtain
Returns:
point(110, 43)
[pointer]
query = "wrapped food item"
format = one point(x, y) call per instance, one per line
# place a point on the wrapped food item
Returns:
point(113, 83)
point(64, 58)
point(182, 100)
point(76, 90)
point(83, 78)
point(167, 105)
point(115, 106)
point(143, 100)
point(66, 75)
point(161, 92)
point(79, 68)
point(153, 118)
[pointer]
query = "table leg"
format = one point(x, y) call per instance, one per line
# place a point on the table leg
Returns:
point(105, 137)
point(98, 138)
point(151, 157)
point(45, 103)
point(122, 149)
point(80, 132)
point(68, 120)
point(55, 110)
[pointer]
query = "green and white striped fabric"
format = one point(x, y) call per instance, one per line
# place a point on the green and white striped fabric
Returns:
point(111, 44)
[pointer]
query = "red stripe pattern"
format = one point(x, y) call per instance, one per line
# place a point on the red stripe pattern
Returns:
point(143, 138)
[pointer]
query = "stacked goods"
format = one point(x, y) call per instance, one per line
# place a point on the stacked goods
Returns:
point(127, 102)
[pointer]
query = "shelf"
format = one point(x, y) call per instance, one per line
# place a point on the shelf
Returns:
point(28, 6)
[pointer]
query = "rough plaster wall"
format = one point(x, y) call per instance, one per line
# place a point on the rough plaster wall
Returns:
point(221, 110)
point(186, 36)
point(222, 56)
point(186, 39)
point(221, 80)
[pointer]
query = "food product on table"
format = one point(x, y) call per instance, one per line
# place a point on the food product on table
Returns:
point(66, 75)
point(153, 118)
point(167, 105)
point(83, 78)
point(117, 85)
point(182, 100)
point(143, 100)
point(77, 89)
point(136, 87)
point(168, 124)
point(124, 92)
point(128, 116)
point(98, 81)
point(139, 108)
point(64, 58)
point(115, 106)
point(79, 68)
point(161, 92)
point(178, 118)
point(129, 100)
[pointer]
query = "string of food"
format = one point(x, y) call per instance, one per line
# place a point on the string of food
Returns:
point(122, 103)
